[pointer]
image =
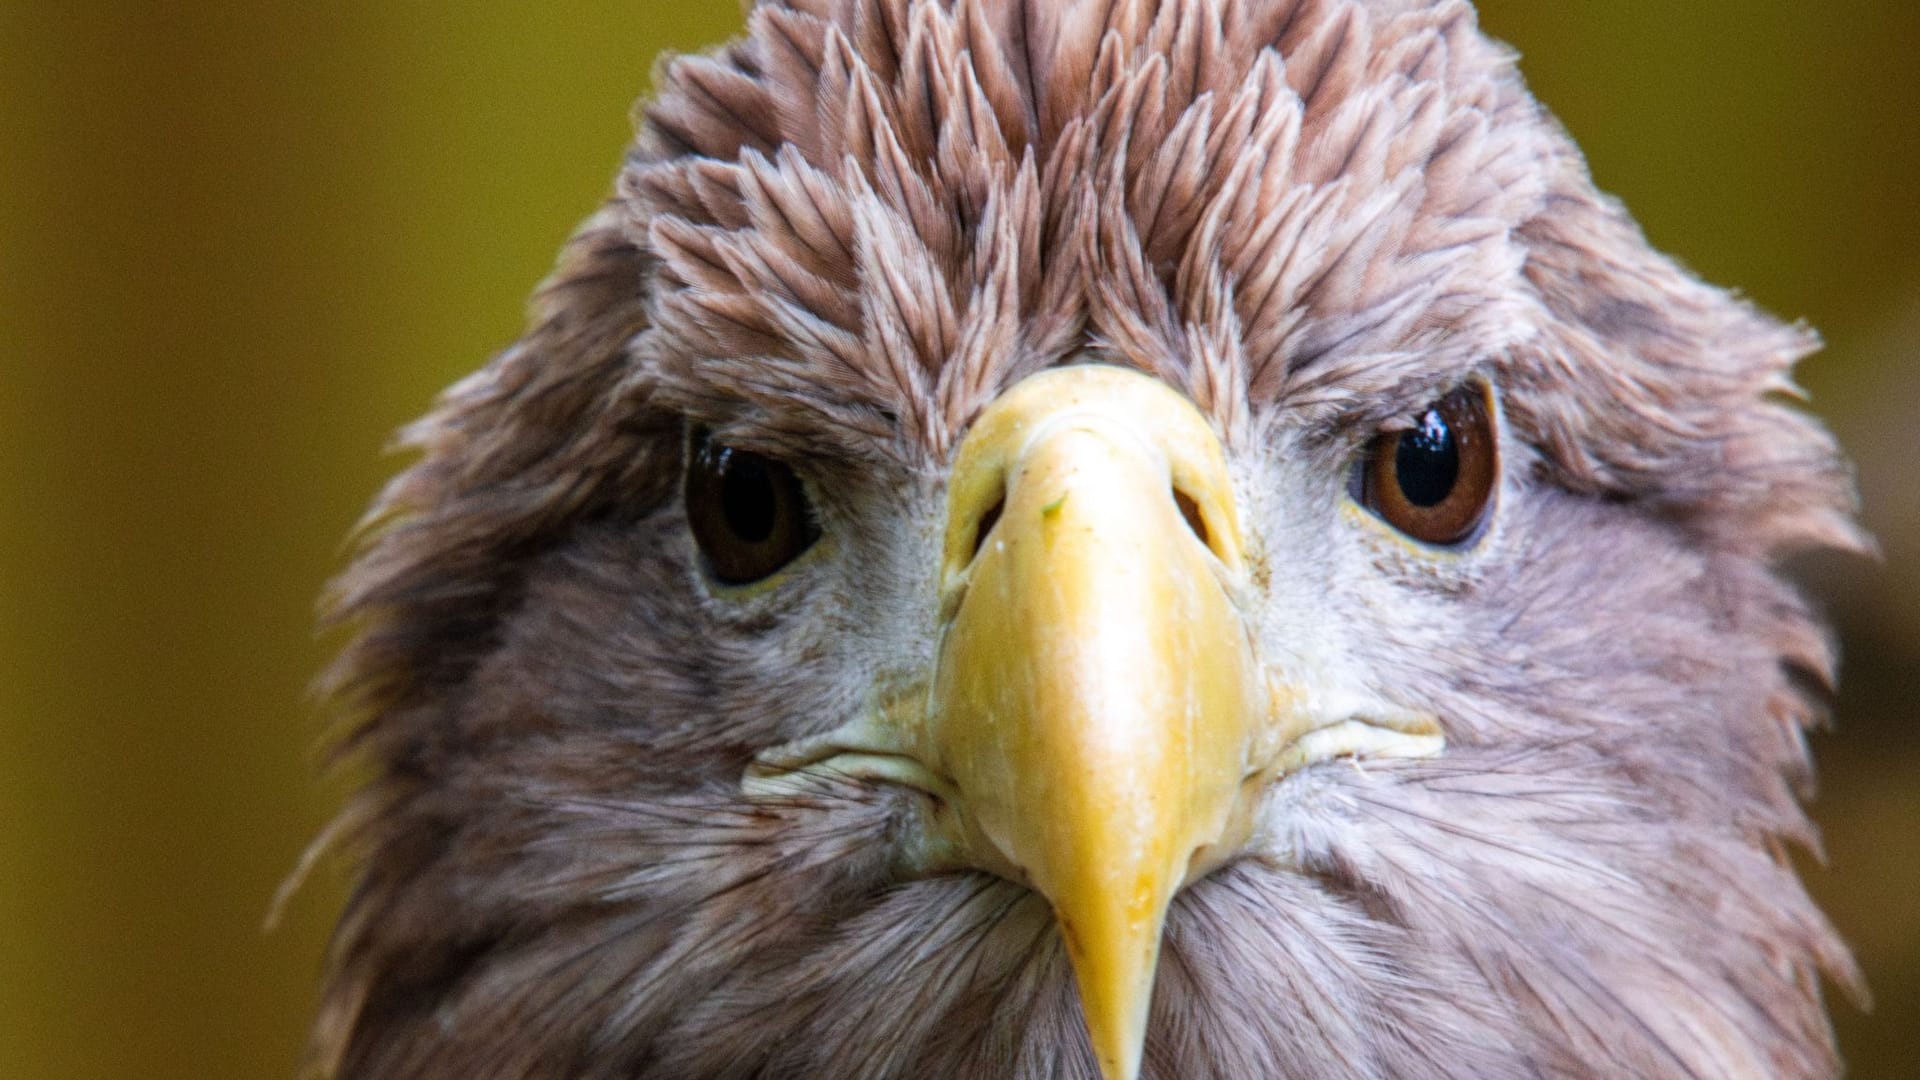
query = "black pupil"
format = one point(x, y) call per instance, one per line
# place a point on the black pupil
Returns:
point(1427, 462)
point(747, 496)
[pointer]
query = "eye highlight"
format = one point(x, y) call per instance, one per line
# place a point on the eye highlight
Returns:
point(1435, 480)
point(749, 513)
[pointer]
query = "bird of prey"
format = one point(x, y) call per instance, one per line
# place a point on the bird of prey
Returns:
point(1096, 539)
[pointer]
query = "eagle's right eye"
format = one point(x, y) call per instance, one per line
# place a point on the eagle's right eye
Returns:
point(749, 513)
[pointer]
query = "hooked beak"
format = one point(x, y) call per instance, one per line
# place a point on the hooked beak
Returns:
point(1098, 726)
point(1097, 699)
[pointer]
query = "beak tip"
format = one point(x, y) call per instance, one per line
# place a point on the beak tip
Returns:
point(1121, 1061)
point(1114, 997)
point(1124, 1067)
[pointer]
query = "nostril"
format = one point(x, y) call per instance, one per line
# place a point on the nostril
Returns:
point(987, 522)
point(1190, 510)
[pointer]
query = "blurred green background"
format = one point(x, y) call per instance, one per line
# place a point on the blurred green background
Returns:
point(241, 242)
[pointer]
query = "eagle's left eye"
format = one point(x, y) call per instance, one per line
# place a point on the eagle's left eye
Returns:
point(1435, 481)
point(749, 513)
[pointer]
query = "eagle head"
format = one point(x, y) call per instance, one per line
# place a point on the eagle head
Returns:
point(1071, 538)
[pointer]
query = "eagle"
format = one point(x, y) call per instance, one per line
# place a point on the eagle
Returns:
point(1095, 539)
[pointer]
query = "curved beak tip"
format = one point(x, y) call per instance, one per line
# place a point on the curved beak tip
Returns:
point(1116, 992)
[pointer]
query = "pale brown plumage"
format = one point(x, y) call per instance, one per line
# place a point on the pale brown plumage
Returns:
point(835, 242)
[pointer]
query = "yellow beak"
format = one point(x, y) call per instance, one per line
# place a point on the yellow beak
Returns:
point(1098, 726)
point(1097, 698)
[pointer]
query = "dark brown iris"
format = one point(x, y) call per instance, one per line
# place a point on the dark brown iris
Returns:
point(749, 513)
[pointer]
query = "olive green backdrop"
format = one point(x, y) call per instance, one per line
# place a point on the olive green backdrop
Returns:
point(241, 242)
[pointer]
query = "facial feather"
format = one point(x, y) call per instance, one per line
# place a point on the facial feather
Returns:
point(835, 242)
